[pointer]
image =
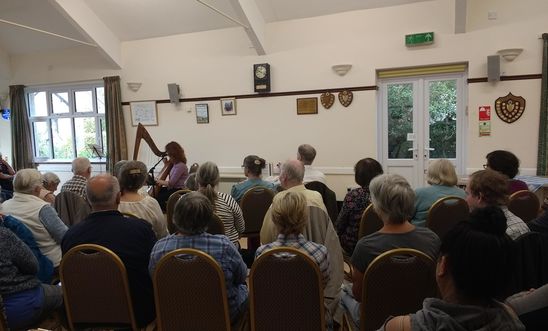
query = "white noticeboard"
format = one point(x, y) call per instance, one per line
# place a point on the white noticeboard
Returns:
point(144, 112)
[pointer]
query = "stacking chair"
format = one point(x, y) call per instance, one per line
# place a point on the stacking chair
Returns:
point(95, 289)
point(71, 207)
point(215, 226)
point(255, 203)
point(525, 205)
point(445, 213)
point(532, 261)
point(370, 222)
point(170, 207)
point(396, 283)
point(286, 292)
point(190, 292)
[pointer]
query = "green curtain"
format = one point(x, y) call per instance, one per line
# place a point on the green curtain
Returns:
point(21, 138)
point(114, 118)
point(542, 159)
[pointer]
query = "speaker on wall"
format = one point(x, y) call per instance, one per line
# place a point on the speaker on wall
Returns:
point(174, 93)
point(493, 68)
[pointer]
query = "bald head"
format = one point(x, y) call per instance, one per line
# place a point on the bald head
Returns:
point(292, 173)
point(103, 192)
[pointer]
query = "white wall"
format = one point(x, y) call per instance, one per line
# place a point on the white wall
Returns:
point(301, 53)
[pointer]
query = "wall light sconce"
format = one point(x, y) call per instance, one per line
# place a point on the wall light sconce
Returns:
point(134, 86)
point(341, 69)
point(509, 54)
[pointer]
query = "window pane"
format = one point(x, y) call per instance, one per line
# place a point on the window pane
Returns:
point(60, 102)
point(41, 140)
point(84, 101)
point(61, 129)
point(443, 119)
point(85, 129)
point(104, 135)
point(37, 104)
point(100, 91)
point(400, 121)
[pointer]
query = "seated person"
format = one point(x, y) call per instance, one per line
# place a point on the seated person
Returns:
point(81, 168)
point(253, 166)
point(442, 178)
point(490, 188)
point(393, 200)
point(472, 271)
point(531, 307)
point(26, 300)
point(36, 214)
point(6, 179)
point(50, 182)
point(306, 154)
point(177, 175)
point(355, 202)
point(507, 164)
point(540, 224)
point(132, 176)
point(191, 216)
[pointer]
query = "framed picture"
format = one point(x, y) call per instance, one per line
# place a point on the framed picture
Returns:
point(306, 106)
point(202, 113)
point(144, 112)
point(228, 106)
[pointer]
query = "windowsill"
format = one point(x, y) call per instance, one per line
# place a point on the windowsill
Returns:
point(92, 161)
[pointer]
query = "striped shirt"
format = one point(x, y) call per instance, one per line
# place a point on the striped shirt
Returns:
point(230, 213)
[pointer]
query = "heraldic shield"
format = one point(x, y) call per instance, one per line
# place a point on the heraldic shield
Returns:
point(510, 108)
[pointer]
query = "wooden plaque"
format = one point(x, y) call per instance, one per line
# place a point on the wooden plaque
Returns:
point(306, 106)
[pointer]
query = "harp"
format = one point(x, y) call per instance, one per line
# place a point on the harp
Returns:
point(142, 134)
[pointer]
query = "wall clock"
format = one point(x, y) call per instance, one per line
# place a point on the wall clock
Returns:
point(261, 77)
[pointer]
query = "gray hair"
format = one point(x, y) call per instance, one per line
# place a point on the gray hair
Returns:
point(207, 178)
point(117, 167)
point(307, 153)
point(393, 198)
point(441, 172)
point(50, 178)
point(192, 213)
point(80, 165)
point(293, 170)
point(102, 190)
point(27, 180)
point(132, 175)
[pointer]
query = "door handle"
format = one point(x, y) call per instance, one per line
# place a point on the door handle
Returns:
point(426, 150)
point(415, 153)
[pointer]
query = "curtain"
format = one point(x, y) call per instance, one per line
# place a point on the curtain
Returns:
point(114, 117)
point(21, 138)
point(542, 158)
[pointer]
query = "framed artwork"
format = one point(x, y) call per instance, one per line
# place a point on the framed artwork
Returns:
point(228, 106)
point(202, 113)
point(144, 112)
point(306, 106)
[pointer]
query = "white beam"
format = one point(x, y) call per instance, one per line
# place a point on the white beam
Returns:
point(460, 16)
point(85, 20)
point(251, 16)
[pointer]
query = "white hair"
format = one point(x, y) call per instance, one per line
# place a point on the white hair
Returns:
point(27, 180)
point(80, 165)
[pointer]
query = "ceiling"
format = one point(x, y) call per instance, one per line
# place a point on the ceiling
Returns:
point(139, 19)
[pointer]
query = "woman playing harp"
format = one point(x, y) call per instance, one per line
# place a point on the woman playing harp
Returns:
point(177, 175)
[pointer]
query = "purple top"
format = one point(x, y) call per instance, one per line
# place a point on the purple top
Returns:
point(178, 175)
point(515, 185)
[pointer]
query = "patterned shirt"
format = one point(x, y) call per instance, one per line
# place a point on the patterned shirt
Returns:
point(230, 213)
point(348, 222)
point(515, 226)
point(317, 252)
point(222, 250)
point(76, 184)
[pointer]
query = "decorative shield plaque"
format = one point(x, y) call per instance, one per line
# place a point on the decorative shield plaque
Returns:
point(345, 97)
point(510, 108)
point(327, 99)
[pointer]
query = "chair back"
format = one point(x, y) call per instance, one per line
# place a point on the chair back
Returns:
point(370, 222)
point(183, 300)
point(328, 196)
point(193, 168)
point(531, 270)
point(71, 207)
point(95, 288)
point(215, 225)
point(525, 205)
point(170, 207)
point(3, 319)
point(445, 213)
point(285, 292)
point(255, 203)
point(396, 283)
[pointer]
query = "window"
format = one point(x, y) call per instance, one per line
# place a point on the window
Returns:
point(66, 120)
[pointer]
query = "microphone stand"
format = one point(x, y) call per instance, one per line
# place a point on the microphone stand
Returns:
point(151, 171)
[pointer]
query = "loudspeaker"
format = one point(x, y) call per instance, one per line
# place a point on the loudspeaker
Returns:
point(174, 92)
point(493, 68)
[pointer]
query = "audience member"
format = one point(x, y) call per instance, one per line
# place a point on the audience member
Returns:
point(472, 271)
point(540, 224)
point(177, 175)
point(306, 154)
point(130, 238)
point(531, 307)
point(442, 178)
point(253, 166)
point(393, 200)
point(81, 168)
point(26, 300)
point(117, 166)
point(191, 215)
point(490, 188)
point(36, 214)
point(50, 182)
point(507, 164)
point(6, 179)
point(225, 206)
point(355, 202)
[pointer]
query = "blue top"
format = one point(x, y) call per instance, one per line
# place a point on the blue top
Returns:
point(238, 190)
point(426, 196)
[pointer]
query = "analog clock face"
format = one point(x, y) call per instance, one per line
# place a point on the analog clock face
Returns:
point(260, 72)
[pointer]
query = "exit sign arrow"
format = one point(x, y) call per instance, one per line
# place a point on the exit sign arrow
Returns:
point(419, 39)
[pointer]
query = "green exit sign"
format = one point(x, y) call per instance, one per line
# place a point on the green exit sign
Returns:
point(419, 39)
